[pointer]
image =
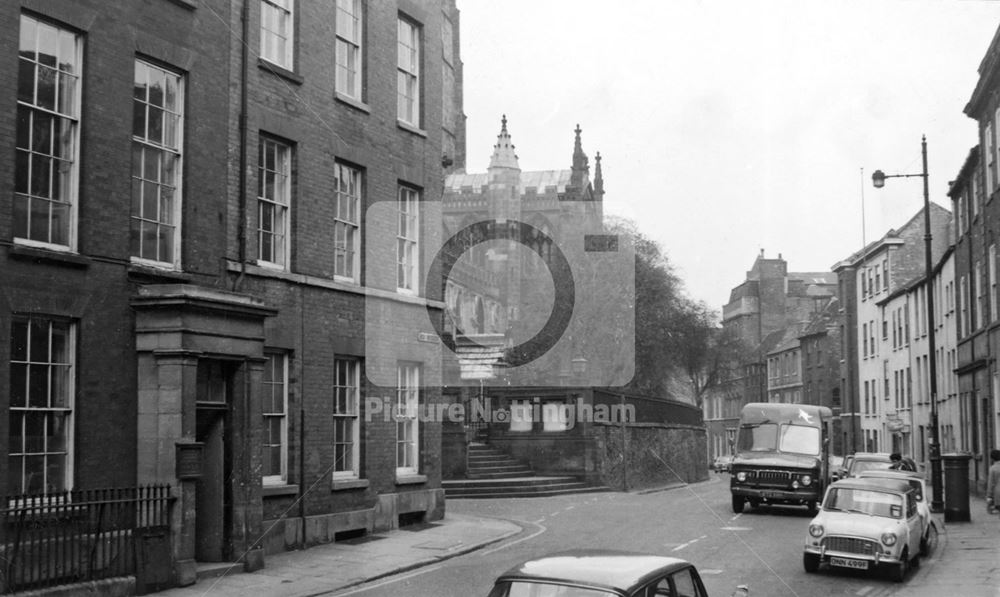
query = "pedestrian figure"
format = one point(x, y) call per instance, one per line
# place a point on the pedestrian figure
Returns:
point(993, 483)
point(898, 464)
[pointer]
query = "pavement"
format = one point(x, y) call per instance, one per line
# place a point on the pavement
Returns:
point(966, 562)
point(332, 567)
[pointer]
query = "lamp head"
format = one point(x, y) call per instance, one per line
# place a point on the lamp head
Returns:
point(878, 179)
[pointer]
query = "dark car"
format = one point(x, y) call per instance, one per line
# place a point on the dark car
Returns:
point(866, 461)
point(602, 573)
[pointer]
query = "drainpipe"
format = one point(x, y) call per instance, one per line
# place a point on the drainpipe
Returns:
point(244, 77)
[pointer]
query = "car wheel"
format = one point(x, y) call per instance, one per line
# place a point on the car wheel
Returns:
point(929, 543)
point(737, 504)
point(811, 507)
point(810, 562)
point(898, 572)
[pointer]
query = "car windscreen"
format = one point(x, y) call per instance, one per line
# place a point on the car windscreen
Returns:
point(864, 501)
point(799, 439)
point(869, 465)
point(538, 589)
point(762, 437)
point(768, 437)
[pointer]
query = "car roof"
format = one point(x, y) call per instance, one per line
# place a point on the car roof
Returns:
point(872, 456)
point(888, 473)
point(873, 483)
point(598, 568)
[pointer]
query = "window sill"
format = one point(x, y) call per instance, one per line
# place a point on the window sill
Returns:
point(354, 103)
point(411, 129)
point(40, 255)
point(411, 479)
point(345, 484)
point(274, 490)
point(282, 72)
point(149, 272)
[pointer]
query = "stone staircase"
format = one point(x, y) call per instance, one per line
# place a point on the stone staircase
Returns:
point(494, 474)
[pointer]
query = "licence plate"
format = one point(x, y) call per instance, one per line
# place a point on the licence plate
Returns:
point(848, 563)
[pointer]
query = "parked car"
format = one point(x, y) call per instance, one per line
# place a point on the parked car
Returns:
point(602, 573)
point(864, 461)
point(929, 535)
point(722, 464)
point(841, 471)
point(866, 524)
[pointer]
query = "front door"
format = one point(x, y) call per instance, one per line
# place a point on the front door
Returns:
point(212, 493)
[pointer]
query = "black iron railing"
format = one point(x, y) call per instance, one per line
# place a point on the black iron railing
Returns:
point(74, 536)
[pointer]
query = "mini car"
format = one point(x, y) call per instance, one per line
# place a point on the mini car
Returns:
point(866, 524)
point(864, 461)
point(722, 464)
point(929, 537)
point(602, 573)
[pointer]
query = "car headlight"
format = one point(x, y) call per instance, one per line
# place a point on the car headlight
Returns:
point(816, 530)
point(806, 480)
point(741, 476)
point(889, 539)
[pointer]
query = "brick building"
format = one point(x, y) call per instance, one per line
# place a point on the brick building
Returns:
point(977, 223)
point(212, 303)
point(884, 315)
point(768, 302)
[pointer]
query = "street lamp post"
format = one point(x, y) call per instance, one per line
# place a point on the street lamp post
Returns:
point(878, 178)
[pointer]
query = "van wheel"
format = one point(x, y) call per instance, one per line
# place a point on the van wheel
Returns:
point(810, 562)
point(737, 504)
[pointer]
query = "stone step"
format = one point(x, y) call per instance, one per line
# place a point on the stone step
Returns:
point(519, 491)
point(524, 480)
point(490, 458)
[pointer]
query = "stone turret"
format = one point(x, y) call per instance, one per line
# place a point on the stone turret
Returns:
point(580, 170)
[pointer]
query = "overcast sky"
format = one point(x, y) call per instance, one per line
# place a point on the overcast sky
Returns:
point(727, 127)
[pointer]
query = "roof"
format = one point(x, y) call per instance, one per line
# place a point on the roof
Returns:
point(778, 412)
point(872, 483)
point(601, 568)
point(539, 180)
point(890, 237)
point(814, 277)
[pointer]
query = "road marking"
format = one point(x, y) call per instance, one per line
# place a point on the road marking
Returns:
point(865, 590)
point(736, 529)
point(709, 572)
point(735, 517)
point(683, 545)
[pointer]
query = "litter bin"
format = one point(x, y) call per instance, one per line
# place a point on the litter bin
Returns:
point(956, 487)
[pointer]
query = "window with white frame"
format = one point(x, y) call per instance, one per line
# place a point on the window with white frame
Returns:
point(408, 72)
point(407, 423)
point(349, 58)
point(995, 158)
point(42, 360)
point(275, 408)
point(992, 273)
point(980, 305)
point(346, 420)
point(988, 138)
point(346, 222)
point(277, 35)
point(157, 113)
point(48, 123)
point(407, 240)
point(274, 190)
